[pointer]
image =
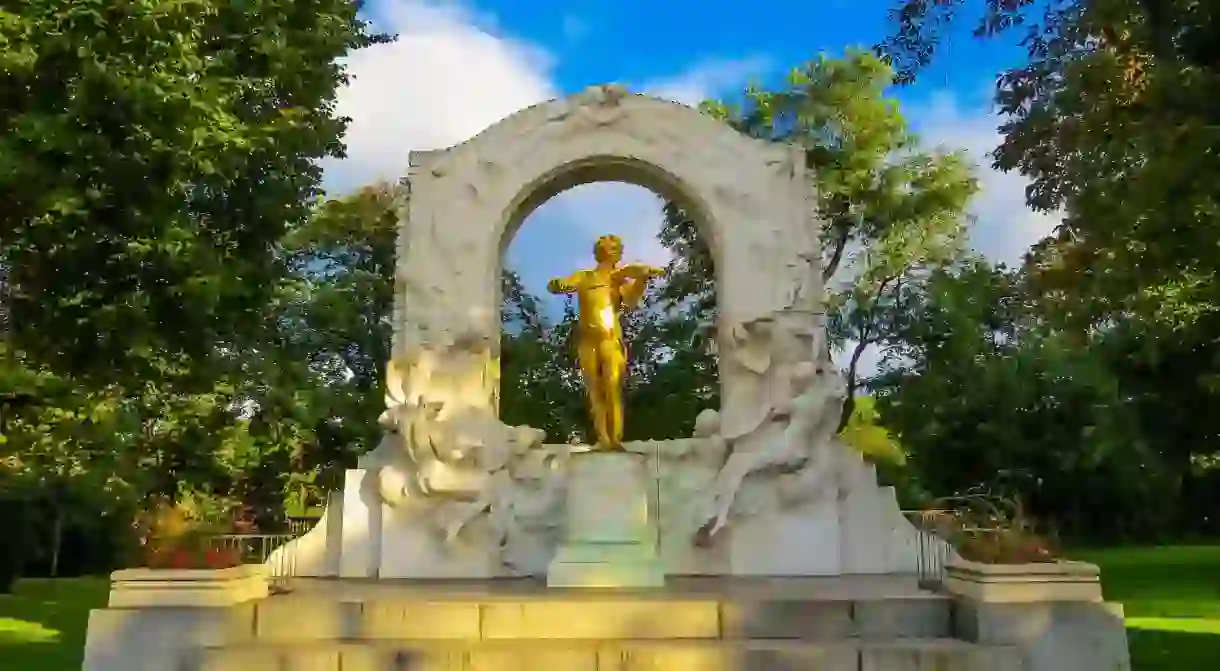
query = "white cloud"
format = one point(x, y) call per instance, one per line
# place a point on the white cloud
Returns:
point(449, 75)
point(628, 211)
point(708, 79)
point(1006, 227)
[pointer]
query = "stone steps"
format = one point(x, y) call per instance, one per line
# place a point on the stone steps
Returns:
point(769, 625)
point(291, 618)
point(620, 655)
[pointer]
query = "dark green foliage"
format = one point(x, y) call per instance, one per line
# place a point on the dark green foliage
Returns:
point(1112, 118)
point(15, 510)
point(151, 155)
point(992, 399)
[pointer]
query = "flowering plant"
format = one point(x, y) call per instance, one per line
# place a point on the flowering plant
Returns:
point(173, 539)
point(995, 530)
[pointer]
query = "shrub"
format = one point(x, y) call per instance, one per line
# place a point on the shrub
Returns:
point(994, 530)
point(173, 538)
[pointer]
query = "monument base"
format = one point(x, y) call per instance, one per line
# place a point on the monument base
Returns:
point(854, 528)
point(578, 567)
point(610, 537)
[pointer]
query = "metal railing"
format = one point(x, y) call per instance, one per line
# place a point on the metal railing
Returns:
point(257, 548)
point(934, 548)
point(299, 526)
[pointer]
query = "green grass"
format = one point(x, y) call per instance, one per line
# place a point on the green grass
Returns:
point(1171, 600)
point(42, 624)
point(1171, 597)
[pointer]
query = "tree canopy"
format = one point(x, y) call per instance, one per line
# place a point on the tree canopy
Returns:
point(151, 154)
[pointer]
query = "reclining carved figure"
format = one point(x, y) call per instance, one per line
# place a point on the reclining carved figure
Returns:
point(807, 419)
point(458, 466)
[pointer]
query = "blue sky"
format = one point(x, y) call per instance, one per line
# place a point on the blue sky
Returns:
point(460, 66)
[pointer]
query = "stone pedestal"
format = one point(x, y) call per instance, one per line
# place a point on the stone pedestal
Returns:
point(610, 537)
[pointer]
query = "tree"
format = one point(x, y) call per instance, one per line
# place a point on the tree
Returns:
point(983, 395)
point(315, 377)
point(1111, 118)
point(899, 208)
point(151, 154)
point(539, 380)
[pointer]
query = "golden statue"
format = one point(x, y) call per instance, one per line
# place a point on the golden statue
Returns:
point(604, 292)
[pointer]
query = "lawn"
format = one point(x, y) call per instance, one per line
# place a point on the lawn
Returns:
point(1171, 599)
point(1171, 596)
point(42, 624)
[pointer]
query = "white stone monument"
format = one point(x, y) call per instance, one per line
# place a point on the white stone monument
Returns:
point(610, 537)
point(763, 489)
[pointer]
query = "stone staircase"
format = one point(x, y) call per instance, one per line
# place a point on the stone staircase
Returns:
point(775, 625)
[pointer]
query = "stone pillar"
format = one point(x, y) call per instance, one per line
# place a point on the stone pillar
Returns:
point(1052, 612)
point(610, 538)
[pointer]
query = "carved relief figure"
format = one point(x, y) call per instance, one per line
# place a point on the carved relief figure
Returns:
point(804, 407)
point(455, 469)
point(604, 292)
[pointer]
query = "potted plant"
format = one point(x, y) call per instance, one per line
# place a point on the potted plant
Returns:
point(181, 567)
point(1002, 557)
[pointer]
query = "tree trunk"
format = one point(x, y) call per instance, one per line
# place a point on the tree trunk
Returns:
point(57, 538)
point(836, 257)
point(849, 403)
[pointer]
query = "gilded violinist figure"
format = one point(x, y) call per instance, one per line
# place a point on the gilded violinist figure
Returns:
point(604, 293)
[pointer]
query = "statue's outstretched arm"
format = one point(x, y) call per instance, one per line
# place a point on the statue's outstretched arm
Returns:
point(632, 292)
point(635, 278)
point(639, 271)
point(564, 285)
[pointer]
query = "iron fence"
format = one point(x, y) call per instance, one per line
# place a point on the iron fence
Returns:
point(257, 548)
point(934, 548)
point(298, 526)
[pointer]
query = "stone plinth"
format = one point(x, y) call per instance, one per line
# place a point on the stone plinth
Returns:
point(196, 588)
point(1023, 583)
point(1053, 612)
point(610, 532)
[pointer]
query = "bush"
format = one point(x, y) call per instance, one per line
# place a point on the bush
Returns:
point(994, 530)
point(175, 536)
point(93, 524)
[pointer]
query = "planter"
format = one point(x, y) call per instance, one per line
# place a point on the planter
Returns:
point(150, 588)
point(1023, 583)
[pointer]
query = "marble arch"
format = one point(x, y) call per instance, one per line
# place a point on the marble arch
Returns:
point(466, 202)
point(761, 488)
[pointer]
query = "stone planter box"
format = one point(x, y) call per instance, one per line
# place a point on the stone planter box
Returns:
point(1023, 583)
point(150, 588)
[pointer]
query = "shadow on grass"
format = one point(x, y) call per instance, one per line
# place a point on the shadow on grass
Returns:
point(43, 623)
point(1173, 650)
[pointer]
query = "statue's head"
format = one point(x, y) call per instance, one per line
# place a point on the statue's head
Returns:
point(608, 248)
